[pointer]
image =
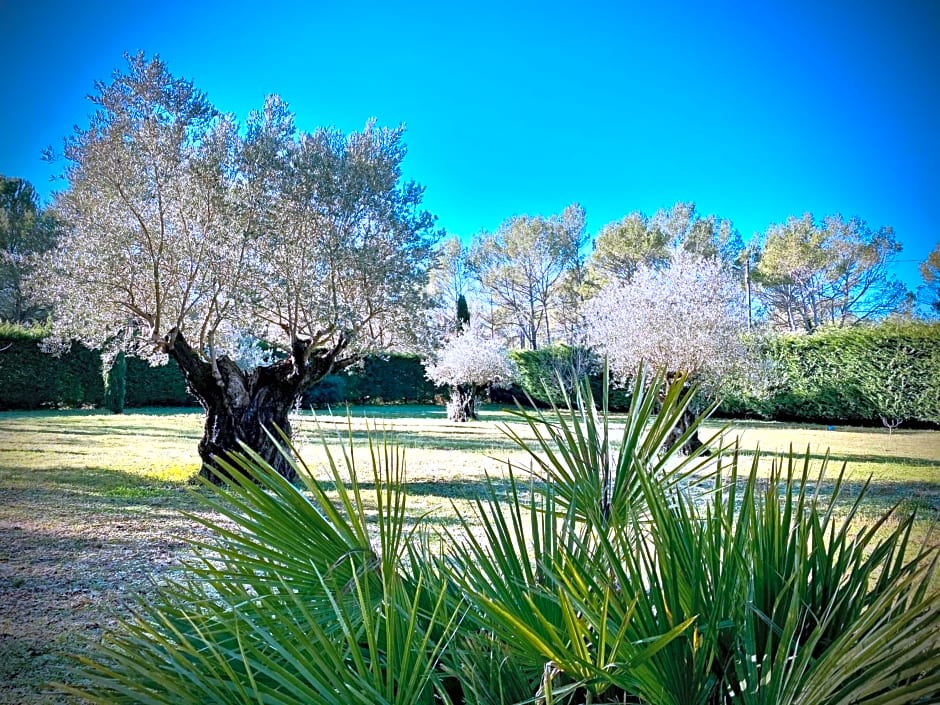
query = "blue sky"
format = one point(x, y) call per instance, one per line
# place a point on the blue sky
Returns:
point(753, 110)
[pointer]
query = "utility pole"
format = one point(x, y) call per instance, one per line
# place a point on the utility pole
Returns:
point(747, 287)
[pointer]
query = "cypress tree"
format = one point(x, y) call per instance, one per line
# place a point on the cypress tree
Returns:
point(115, 384)
point(463, 313)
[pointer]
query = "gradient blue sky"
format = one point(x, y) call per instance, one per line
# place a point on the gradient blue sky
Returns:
point(753, 110)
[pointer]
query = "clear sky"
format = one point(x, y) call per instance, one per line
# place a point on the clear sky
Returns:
point(754, 110)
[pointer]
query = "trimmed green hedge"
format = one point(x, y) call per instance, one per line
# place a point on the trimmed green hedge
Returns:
point(852, 375)
point(32, 379)
point(398, 379)
point(160, 385)
point(387, 379)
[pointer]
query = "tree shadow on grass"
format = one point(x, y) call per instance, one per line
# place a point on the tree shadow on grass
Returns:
point(462, 489)
point(882, 496)
point(425, 440)
point(93, 489)
point(72, 557)
point(115, 430)
point(849, 458)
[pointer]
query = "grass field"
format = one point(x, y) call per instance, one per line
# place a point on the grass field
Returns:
point(91, 504)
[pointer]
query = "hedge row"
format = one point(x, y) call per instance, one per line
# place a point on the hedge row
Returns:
point(861, 375)
point(391, 379)
point(543, 373)
point(396, 379)
point(31, 379)
point(855, 375)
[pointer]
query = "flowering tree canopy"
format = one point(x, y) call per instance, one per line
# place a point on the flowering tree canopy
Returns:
point(466, 364)
point(193, 237)
point(685, 317)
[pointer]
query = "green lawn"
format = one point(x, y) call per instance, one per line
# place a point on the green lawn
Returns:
point(91, 504)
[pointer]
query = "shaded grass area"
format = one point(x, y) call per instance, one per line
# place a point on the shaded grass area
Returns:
point(91, 504)
point(90, 518)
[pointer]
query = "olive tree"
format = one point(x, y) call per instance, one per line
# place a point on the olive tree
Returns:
point(257, 258)
point(466, 364)
point(687, 318)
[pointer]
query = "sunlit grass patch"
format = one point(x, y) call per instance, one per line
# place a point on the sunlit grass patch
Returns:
point(90, 502)
point(94, 450)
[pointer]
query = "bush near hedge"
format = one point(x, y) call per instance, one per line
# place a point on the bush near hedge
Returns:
point(540, 371)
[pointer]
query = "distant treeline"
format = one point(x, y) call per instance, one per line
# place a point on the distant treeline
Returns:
point(845, 376)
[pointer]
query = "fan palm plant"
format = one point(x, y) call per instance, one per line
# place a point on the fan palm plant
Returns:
point(767, 593)
point(299, 599)
point(614, 571)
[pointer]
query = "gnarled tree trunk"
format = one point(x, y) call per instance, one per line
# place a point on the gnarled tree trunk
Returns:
point(243, 407)
point(463, 403)
point(693, 442)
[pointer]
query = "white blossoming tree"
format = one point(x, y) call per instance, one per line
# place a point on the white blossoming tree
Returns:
point(467, 364)
point(192, 238)
point(687, 317)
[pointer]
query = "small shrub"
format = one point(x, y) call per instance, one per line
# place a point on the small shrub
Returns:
point(10, 331)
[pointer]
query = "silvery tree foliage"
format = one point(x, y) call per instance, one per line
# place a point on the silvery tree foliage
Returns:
point(466, 364)
point(257, 257)
point(686, 317)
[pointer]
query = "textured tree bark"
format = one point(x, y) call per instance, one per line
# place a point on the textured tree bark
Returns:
point(243, 407)
point(693, 442)
point(463, 403)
